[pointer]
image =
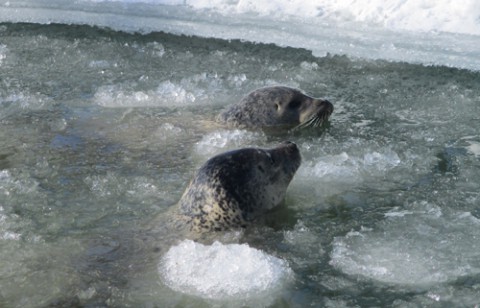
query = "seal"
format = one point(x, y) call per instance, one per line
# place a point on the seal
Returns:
point(232, 189)
point(277, 106)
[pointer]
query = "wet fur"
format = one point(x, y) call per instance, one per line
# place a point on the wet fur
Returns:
point(231, 189)
point(276, 107)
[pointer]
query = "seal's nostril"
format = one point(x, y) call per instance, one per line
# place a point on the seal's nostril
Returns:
point(328, 105)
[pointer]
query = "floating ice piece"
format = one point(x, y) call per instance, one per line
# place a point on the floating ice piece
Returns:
point(474, 148)
point(223, 271)
point(350, 168)
point(166, 94)
point(221, 140)
point(419, 246)
point(5, 234)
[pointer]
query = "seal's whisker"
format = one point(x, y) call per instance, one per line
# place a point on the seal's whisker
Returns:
point(308, 123)
point(314, 121)
point(300, 126)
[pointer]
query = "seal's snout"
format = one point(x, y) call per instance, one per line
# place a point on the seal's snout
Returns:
point(326, 107)
point(293, 156)
point(289, 143)
point(289, 146)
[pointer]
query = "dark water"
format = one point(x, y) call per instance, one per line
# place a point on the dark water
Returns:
point(101, 130)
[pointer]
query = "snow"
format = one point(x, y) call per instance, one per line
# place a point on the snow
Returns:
point(428, 32)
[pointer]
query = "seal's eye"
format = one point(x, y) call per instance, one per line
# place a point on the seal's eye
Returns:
point(295, 103)
point(270, 158)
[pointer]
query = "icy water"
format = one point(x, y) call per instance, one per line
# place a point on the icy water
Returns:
point(100, 131)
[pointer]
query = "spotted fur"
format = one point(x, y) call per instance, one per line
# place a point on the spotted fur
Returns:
point(231, 189)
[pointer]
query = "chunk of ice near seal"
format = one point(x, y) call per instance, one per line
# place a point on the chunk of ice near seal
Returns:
point(223, 271)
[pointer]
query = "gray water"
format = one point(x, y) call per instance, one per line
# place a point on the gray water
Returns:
point(100, 131)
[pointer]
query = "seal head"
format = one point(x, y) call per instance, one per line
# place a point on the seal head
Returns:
point(277, 107)
point(231, 189)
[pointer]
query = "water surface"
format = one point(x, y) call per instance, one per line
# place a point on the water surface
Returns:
point(100, 131)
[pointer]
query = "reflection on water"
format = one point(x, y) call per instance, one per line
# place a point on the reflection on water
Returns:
point(101, 131)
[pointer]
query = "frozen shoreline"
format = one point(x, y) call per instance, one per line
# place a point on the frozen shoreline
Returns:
point(358, 33)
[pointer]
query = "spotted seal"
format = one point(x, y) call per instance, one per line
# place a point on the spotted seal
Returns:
point(231, 189)
point(276, 106)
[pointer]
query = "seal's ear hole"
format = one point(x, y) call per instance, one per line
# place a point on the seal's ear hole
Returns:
point(277, 106)
point(295, 103)
point(261, 168)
